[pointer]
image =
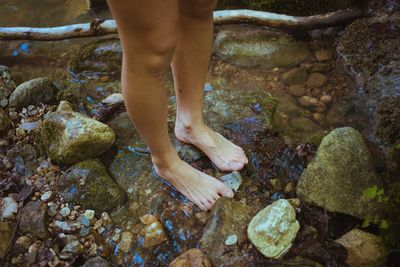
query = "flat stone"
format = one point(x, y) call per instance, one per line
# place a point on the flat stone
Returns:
point(273, 229)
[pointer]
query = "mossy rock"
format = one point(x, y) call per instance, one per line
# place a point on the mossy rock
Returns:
point(289, 7)
point(89, 185)
point(7, 85)
point(70, 137)
point(98, 57)
point(250, 47)
point(336, 178)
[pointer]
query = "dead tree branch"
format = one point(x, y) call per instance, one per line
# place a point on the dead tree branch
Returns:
point(100, 27)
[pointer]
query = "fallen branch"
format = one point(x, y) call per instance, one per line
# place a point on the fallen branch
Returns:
point(104, 27)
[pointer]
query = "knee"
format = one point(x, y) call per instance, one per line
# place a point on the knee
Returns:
point(198, 8)
point(153, 54)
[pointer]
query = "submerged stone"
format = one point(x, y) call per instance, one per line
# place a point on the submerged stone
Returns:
point(98, 57)
point(192, 258)
point(336, 178)
point(273, 229)
point(153, 235)
point(89, 185)
point(228, 217)
point(70, 137)
point(250, 47)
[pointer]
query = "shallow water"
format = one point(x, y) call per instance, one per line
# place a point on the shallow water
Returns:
point(274, 158)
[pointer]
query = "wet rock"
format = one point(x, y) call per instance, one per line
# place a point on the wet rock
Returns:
point(65, 212)
point(295, 76)
point(46, 196)
point(308, 101)
point(339, 110)
point(153, 235)
point(233, 180)
point(98, 57)
point(6, 232)
point(316, 80)
point(34, 219)
point(320, 67)
point(363, 249)
point(33, 92)
point(7, 85)
point(371, 49)
point(228, 217)
point(192, 258)
point(326, 99)
point(5, 122)
point(72, 248)
point(231, 240)
point(297, 90)
point(248, 47)
point(273, 229)
point(126, 241)
point(341, 170)
point(70, 137)
point(113, 99)
point(97, 262)
point(89, 185)
point(323, 55)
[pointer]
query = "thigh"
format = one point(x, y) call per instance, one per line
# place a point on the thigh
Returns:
point(146, 24)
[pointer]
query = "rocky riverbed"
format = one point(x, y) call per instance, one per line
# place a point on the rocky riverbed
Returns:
point(314, 111)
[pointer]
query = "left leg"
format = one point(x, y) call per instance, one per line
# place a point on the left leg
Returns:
point(190, 66)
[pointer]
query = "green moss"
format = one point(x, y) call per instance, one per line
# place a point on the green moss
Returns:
point(94, 188)
point(290, 7)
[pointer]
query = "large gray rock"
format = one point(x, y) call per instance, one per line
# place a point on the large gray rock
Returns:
point(336, 178)
point(88, 184)
point(363, 249)
point(7, 85)
point(70, 137)
point(228, 217)
point(33, 92)
point(274, 228)
point(249, 47)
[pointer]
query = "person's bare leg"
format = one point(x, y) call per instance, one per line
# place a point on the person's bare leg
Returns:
point(148, 30)
point(190, 66)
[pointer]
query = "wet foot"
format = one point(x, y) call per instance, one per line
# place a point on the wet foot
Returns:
point(225, 155)
point(200, 188)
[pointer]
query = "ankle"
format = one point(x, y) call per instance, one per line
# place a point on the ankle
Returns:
point(165, 161)
point(187, 125)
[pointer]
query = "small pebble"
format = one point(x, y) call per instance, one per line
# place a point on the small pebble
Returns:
point(231, 240)
point(46, 196)
point(65, 211)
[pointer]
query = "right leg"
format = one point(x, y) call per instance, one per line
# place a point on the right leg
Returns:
point(148, 32)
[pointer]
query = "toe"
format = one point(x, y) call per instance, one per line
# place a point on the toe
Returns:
point(225, 191)
point(202, 206)
point(236, 165)
point(207, 204)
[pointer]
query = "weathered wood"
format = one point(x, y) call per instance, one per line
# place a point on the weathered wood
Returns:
point(98, 27)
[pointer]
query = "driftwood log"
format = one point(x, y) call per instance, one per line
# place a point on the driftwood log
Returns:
point(104, 27)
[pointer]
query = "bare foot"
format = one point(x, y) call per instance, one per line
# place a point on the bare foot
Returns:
point(202, 189)
point(223, 153)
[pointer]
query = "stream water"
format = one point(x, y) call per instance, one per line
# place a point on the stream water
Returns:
point(278, 157)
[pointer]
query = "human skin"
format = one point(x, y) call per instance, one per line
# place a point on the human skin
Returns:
point(154, 35)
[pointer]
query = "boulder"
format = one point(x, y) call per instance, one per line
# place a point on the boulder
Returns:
point(341, 170)
point(258, 47)
point(273, 229)
point(227, 217)
point(33, 92)
point(363, 249)
point(7, 85)
point(89, 185)
point(98, 57)
point(34, 219)
point(70, 137)
point(370, 47)
point(192, 258)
